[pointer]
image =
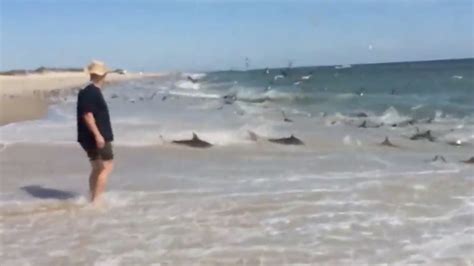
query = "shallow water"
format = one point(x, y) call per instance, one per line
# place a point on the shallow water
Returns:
point(340, 199)
point(240, 206)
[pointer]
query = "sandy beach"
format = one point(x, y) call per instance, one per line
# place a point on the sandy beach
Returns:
point(178, 206)
point(26, 97)
point(337, 198)
point(280, 133)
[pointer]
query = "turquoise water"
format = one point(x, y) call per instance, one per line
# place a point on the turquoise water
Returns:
point(446, 86)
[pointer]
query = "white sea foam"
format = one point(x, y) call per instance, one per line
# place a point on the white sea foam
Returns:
point(195, 94)
point(193, 75)
point(244, 201)
point(390, 116)
point(342, 66)
point(185, 84)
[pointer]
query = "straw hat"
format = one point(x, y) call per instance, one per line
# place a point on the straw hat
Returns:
point(97, 68)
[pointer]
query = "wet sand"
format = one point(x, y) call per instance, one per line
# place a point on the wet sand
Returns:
point(182, 206)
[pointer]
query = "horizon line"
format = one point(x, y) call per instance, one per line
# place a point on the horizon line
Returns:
point(353, 64)
point(260, 68)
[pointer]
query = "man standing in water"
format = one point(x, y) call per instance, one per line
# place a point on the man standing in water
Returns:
point(94, 130)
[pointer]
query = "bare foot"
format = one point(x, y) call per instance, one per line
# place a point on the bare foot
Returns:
point(98, 204)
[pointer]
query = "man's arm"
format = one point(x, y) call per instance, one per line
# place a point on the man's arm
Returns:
point(91, 125)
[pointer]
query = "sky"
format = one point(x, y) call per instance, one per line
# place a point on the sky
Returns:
point(146, 35)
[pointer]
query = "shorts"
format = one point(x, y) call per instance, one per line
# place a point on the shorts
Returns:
point(94, 153)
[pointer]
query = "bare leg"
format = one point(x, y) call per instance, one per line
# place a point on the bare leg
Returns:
point(96, 167)
point(101, 180)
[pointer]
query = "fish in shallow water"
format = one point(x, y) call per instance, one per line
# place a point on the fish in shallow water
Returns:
point(229, 99)
point(388, 143)
point(292, 140)
point(404, 123)
point(252, 135)
point(365, 124)
point(152, 96)
point(469, 161)
point(193, 80)
point(439, 158)
point(285, 118)
point(423, 135)
point(458, 142)
point(195, 142)
point(360, 114)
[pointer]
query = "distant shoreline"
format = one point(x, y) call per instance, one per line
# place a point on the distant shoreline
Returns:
point(42, 69)
point(39, 70)
point(26, 96)
point(351, 64)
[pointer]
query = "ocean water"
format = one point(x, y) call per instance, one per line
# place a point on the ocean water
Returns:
point(341, 198)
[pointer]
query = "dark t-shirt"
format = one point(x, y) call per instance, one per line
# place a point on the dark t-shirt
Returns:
point(90, 99)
